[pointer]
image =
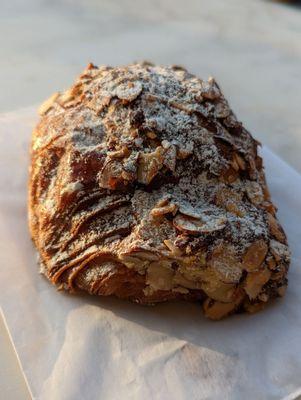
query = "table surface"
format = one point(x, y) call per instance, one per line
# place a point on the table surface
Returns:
point(252, 48)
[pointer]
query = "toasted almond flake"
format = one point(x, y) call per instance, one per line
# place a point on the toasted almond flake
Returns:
point(254, 192)
point(159, 276)
point(255, 255)
point(281, 290)
point(235, 165)
point(149, 164)
point(129, 91)
point(240, 161)
point(271, 262)
point(210, 90)
point(254, 307)
point(188, 210)
point(182, 154)
point(173, 249)
point(216, 310)
point(279, 250)
point(255, 281)
point(196, 226)
point(222, 292)
point(46, 106)
point(224, 264)
point(66, 97)
point(275, 228)
point(181, 280)
point(120, 153)
point(159, 211)
point(229, 175)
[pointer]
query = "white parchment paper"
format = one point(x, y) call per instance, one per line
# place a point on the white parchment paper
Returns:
point(81, 347)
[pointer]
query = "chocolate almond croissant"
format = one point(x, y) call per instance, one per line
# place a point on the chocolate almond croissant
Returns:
point(144, 185)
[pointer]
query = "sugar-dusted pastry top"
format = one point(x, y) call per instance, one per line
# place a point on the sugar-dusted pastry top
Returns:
point(143, 184)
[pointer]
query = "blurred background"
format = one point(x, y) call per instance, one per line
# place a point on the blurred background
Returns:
point(253, 48)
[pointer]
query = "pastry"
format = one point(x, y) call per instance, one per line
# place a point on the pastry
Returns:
point(144, 185)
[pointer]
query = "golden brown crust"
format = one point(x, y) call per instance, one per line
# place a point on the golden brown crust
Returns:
point(144, 185)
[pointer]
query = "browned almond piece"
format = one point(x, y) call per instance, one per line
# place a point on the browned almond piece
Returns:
point(149, 164)
point(160, 275)
point(45, 107)
point(129, 91)
point(254, 192)
point(172, 248)
point(279, 250)
point(281, 290)
point(221, 292)
point(67, 96)
point(120, 153)
point(271, 262)
point(255, 255)
point(159, 211)
point(217, 310)
point(255, 281)
point(225, 263)
point(275, 228)
point(196, 226)
point(254, 307)
point(240, 161)
point(229, 176)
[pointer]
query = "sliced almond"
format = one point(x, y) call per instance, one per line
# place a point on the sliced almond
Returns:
point(275, 228)
point(281, 290)
point(110, 175)
point(129, 91)
point(160, 275)
point(263, 297)
point(138, 260)
point(196, 226)
point(229, 175)
point(189, 211)
point(172, 248)
point(217, 310)
point(254, 192)
point(280, 251)
point(255, 255)
point(120, 153)
point(210, 90)
point(46, 106)
point(223, 292)
point(240, 161)
point(255, 281)
point(225, 263)
point(67, 96)
point(271, 262)
point(181, 280)
point(182, 153)
point(149, 164)
point(159, 211)
point(224, 194)
point(254, 307)
point(269, 207)
point(279, 273)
